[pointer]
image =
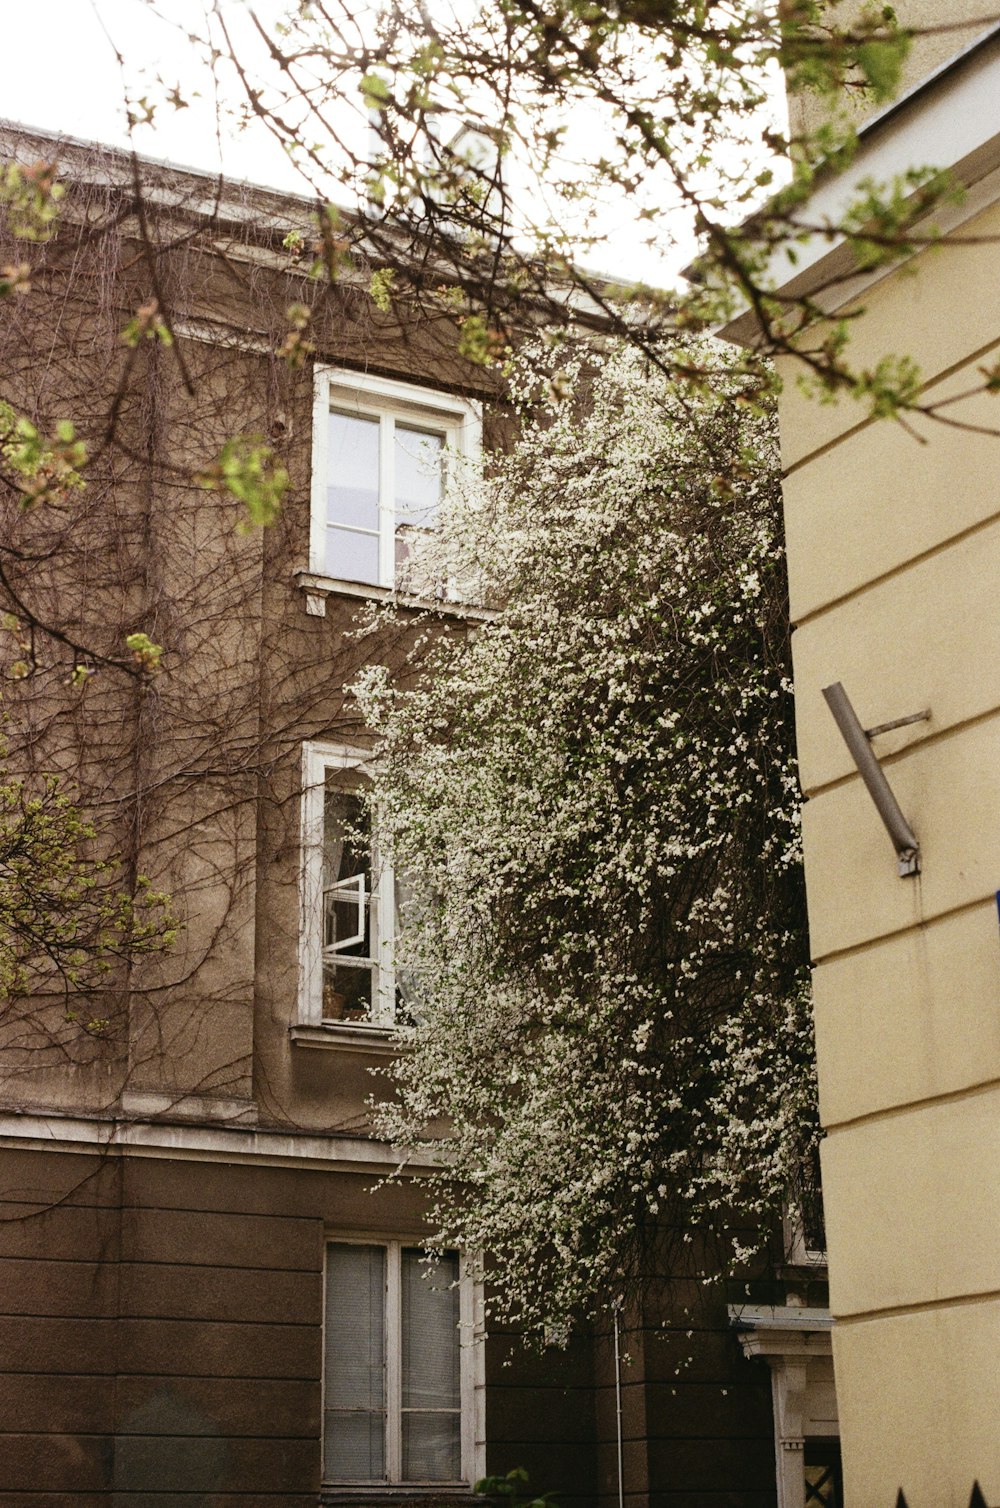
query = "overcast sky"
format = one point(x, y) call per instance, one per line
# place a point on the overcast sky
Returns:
point(58, 70)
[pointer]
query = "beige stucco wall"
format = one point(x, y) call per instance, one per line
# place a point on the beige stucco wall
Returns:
point(894, 560)
point(941, 27)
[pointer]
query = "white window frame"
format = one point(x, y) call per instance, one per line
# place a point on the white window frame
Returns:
point(798, 1253)
point(385, 399)
point(472, 1369)
point(317, 759)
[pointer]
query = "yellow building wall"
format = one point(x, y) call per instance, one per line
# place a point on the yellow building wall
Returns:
point(894, 567)
point(941, 28)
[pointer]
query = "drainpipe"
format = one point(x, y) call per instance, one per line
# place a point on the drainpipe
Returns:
point(618, 1408)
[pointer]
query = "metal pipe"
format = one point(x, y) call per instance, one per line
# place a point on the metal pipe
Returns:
point(618, 1410)
point(897, 722)
point(904, 839)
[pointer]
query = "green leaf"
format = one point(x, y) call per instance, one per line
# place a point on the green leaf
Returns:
point(144, 652)
point(881, 62)
point(246, 468)
point(381, 287)
point(374, 88)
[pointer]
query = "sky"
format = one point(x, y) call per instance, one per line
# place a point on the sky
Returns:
point(59, 72)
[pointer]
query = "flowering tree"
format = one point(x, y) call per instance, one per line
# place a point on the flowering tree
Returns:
point(592, 797)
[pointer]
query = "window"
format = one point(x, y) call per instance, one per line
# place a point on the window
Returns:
point(399, 1375)
point(348, 898)
point(805, 1231)
point(823, 1474)
point(381, 451)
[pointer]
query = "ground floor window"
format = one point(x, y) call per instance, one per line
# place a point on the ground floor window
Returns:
point(824, 1486)
point(398, 1380)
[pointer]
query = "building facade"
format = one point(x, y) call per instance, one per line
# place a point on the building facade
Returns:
point(213, 1292)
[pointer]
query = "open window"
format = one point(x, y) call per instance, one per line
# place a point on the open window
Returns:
point(381, 456)
point(352, 904)
point(348, 898)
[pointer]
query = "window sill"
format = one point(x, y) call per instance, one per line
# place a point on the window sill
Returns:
point(402, 1497)
point(318, 588)
point(347, 1037)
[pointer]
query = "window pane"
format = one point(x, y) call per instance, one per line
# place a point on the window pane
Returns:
point(355, 1327)
point(353, 476)
point(410, 908)
point(355, 1447)
point(347, 856)
point(419, 475)
point(430, 1332)
point(351, 556)
point(346, 918)
point(347, 993)
point(354, 1426)
point(346, 829)
point(824, 1479)
point(432, 1447)
point(349, 923)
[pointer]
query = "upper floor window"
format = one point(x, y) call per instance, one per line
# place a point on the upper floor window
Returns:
point(805, 1228)
point(348, 897)
point(381, 455)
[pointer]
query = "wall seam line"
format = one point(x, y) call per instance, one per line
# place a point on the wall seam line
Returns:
point(930, 1101)
point(868, 421)
point(928, 1306)
point(922, 741)
point(832, 955)
point(910, 563)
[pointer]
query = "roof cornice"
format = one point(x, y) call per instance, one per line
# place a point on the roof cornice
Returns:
point(948, 121)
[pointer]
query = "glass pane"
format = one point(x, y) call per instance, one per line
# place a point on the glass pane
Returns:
point(432, 1447)
point(348, 975)
point(824, 1488)
point(346, 831)
point(347, 917)
point(813, 1224)
point(351, 556)
point(405, 539)
point(355, 1326)
point(347, 992)
point(353, 475)
point(419, 475)
point(408, 913)
point(347, 855)
point(430, 1332)
point(354, 1447)
point(354, 1426)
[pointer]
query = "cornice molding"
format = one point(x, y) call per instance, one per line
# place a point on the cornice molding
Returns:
point(323, 1152)
point(948, 122)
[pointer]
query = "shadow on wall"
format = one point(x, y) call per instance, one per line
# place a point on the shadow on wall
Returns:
point(147, 1457)
point(975, 1501)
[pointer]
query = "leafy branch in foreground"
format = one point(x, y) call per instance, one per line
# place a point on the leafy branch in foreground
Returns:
point(64, 915)
point(40, 469)
point(246, 468)
point(486, 150)
point(593, 799)
point(515, 1488)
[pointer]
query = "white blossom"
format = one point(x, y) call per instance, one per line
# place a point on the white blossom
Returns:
point(594, 796)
